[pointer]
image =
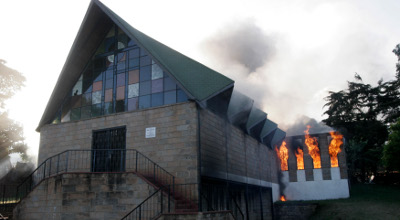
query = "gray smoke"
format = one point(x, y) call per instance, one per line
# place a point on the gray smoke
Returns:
point(300, 125)
point(244, 43)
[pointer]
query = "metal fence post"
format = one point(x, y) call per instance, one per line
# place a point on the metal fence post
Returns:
point(169, 198)
point(66, 162)
point(136, 160)
point(161, 201)
point(58, 162)
point(44, 169)
point(50, 166)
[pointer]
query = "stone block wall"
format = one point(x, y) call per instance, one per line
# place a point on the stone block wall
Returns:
point(174, 148)
point(228, 153)
point(84, 196)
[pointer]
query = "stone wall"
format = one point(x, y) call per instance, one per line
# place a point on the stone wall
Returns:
point(174, 148)
point(227, 152)
point(84, 196)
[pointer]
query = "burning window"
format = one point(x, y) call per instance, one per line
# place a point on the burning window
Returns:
point(283, 156)
point(334, 147)
point(299, 156)
point(313, 149)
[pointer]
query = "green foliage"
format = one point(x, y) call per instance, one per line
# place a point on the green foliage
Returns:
point(391, 151)
point(361, 113)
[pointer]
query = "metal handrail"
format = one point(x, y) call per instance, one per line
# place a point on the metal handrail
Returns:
point(96, 161)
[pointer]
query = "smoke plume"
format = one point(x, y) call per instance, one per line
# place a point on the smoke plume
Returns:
point(243, 43)
point(300, 125)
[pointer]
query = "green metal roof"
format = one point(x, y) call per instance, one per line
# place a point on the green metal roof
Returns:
point(198, 80)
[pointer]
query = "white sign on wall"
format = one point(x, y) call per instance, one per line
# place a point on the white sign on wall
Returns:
point(151, 132)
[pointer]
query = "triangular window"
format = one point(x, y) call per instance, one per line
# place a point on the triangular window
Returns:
point(119, 77)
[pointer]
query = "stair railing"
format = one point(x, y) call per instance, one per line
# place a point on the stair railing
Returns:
point(96, 161)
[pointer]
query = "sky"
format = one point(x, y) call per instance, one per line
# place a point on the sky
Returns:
point(285, 54)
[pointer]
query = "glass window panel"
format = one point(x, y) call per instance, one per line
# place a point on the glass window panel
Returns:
point(101, 48)
point(77, 90)
point(108, 95)
point(109, 84)
point(144, 101)
point(133, 90)
point(99, 63)
point(122, 40)
point(97, 76)
point(169, 84)
point(87, 86)
point(96, 97)
point(157, 99)
point(108, 108)
point(181, 96)
point(132, 104)
point(88, 74)
point(133, 63)
point(109, 44)
point(121, 79)
point(142, 52)
point(131, 42)
point(75, 114)
point(86, 99)
point(111, 33)
point(96, 110)
point(133, 53)
point(156, 85)
point(76, 101)
point(66, 117)
point(133, 76)
point(97, 86)
point(145, 73)
point(121, 66)
point(86, 112)
point(109, 74)
point(144, 88)
point(57, 119)
point(145, 61)
point(120, 93)
point(156, 72)
point(170, 97)
point(110, 61)
point(120, 106)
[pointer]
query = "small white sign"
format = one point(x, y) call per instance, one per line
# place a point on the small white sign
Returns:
point(151, 132)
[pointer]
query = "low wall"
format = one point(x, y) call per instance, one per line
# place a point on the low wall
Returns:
point(84, 196)
point(317, 189)
point(221, 215)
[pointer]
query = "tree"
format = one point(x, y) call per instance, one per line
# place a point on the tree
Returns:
point(11, 134)
point(391, 151)
point(362, 113)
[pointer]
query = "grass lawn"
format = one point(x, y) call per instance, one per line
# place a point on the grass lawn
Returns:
point(365, 202)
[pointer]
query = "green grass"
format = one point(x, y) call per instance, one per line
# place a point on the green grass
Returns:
point(365, 202)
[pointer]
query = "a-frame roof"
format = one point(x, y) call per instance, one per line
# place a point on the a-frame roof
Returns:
point(198, 81)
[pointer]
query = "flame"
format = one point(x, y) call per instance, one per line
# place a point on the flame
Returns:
point(283, 156)
point(334, 147)
point(283, 199)
point(313, 149)
point(300, 162)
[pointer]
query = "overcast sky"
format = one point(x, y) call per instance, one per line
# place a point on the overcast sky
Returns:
point(286, 55)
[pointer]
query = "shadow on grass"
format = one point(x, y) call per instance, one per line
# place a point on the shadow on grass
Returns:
point(365, 202)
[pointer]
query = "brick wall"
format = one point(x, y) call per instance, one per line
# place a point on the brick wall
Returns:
point(227, 149)
point(84, 196)
point(174, 148)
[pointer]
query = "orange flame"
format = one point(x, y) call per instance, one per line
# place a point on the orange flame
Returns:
point(334, 147)
point(313, 149)
point(300, 161)
point(283, 199)
point(283, 156)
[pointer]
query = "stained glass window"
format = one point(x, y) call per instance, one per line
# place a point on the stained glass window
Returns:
point(120, 77)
